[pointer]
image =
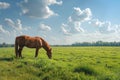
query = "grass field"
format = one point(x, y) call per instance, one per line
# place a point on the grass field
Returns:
point(68, 63)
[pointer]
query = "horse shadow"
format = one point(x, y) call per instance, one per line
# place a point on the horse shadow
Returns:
point(6, 59)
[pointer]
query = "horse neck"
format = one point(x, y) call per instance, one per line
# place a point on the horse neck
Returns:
point(45, 45)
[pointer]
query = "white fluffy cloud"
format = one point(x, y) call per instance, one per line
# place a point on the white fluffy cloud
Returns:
point(4, 5)
point(104, 26)
point(71, 28)
point(3, 30)
point(80, 15)
point(50, 2)
point(38, 8)
point(44, 27)
point(65, 30)
point(16, 25)
point(73, 24)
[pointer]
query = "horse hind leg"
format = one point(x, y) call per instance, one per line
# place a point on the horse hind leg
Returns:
point(20, 51)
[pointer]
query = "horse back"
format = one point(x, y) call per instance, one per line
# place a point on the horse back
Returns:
point(31, 42)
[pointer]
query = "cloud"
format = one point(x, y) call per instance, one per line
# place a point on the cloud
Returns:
point(4, 5)
point(77, 27)
point(16, 25)
point(74, 22)
point(96, 36)
point(71, 28)
point(80, 15)
point(3, 30)
point(81, 21)
point(50, 2)
point(44, 27)
point(65, 31)
point(38, 8)
point(104, 27)
point(116, 28)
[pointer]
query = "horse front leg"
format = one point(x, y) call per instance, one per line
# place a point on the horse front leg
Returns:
point(36, 53)
point(17, 53)
point(20, 51)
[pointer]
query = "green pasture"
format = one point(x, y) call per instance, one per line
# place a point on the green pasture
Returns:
point(67, 63)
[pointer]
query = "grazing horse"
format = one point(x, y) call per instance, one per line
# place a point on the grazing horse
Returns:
point(31, 42)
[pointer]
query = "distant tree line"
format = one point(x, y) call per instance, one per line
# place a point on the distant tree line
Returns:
point(98, 43)
point(6, 45)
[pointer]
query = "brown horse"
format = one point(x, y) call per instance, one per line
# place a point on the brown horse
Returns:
point(31, 42)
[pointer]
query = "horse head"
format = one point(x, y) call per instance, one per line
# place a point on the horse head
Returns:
point(49, 53)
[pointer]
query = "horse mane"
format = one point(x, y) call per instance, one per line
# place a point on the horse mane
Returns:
point(45, 45)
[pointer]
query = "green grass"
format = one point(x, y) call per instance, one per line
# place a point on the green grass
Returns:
point(68, 63)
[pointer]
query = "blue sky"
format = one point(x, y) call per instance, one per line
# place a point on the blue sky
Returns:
point(60, 21)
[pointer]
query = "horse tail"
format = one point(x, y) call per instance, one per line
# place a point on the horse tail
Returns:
point(16, 47)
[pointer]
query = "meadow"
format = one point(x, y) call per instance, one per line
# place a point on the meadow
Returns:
point(67, 63)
